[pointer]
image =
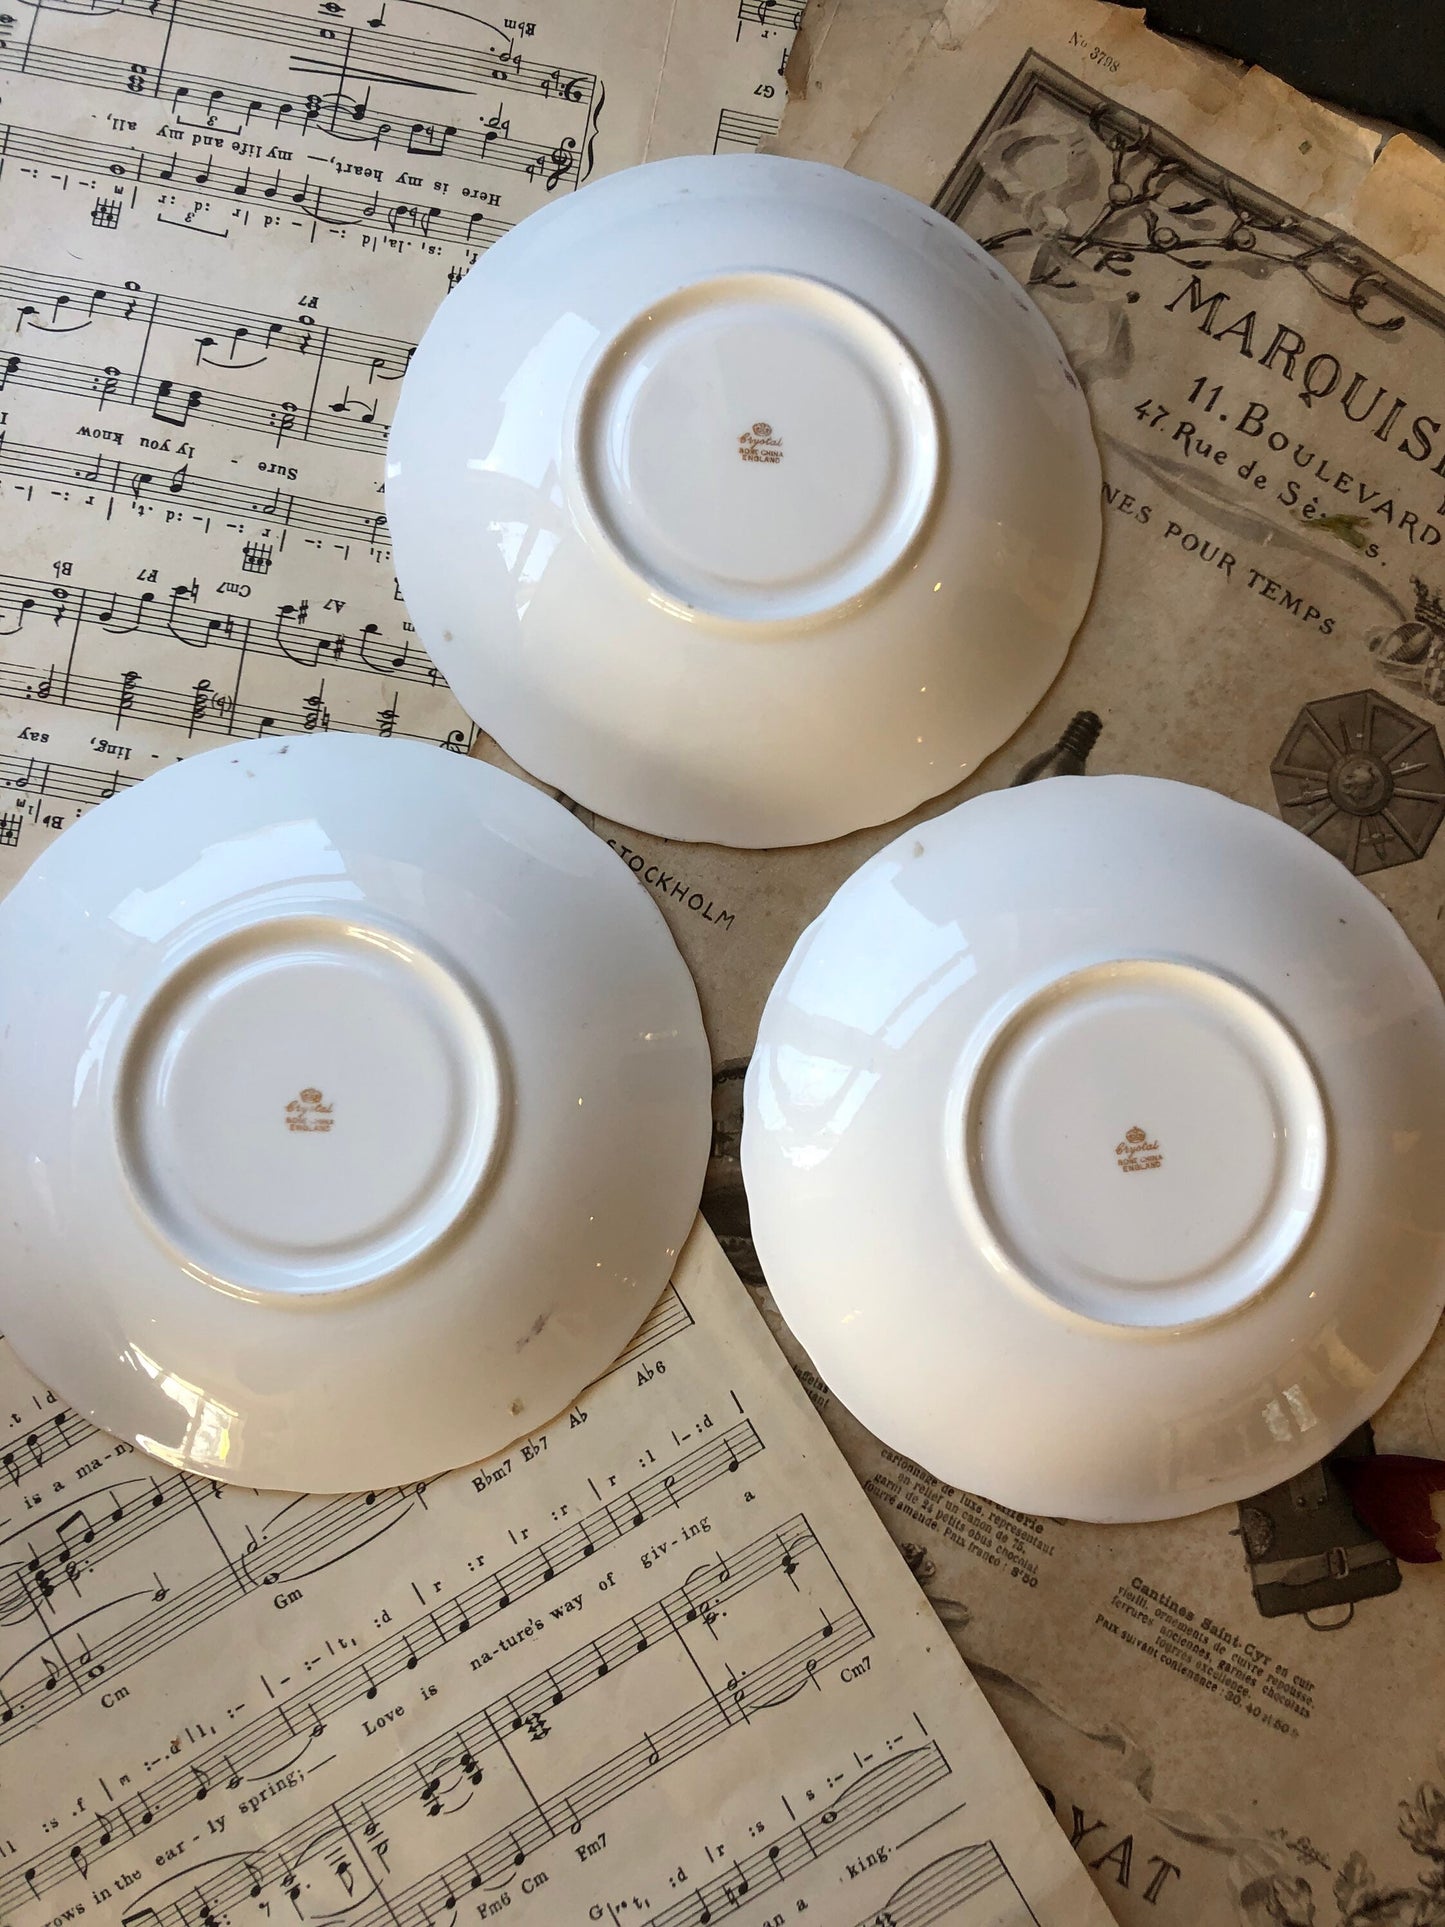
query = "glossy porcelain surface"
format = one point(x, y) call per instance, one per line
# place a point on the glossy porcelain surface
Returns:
point(743, 500)
point(1093, 1144)
point(354, 1103)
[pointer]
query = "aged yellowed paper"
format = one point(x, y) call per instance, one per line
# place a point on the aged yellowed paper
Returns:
point(222, 230)
point(1239, 1718)
point(657, 1665)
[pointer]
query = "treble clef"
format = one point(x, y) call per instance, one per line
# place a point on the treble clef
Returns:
point(562, 160)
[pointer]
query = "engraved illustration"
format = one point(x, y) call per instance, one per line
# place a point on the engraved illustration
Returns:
point(1090, 190)
point(1364, 778)
point(1413, 653)
point(1281, 1900)
point(1299, 432)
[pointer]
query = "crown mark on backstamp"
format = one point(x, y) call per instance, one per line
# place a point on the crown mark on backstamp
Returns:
point(1137, 1151)
point(309, 1111)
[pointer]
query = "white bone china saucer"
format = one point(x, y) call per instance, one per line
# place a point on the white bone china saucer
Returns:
point(354, 1103)
point(1093, 1144)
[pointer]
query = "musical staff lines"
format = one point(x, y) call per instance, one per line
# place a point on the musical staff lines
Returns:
point(202, 710)
point(306, 1712)
point(72, 1540)
point(464, 1753)
point(315, 1537)
point(341, 50)
point(944, 1888)
point(180, 487)
point(59, 304)
point(35, 777)
point(218, 102)
point(762, 1688)
point(30, 1446)
point(174, 404)
point(322, 202)
point(27, 605)
point(491, 1859)
point(875, 1794)
point(775, 16)
point(668, 1317)
point(739, 133)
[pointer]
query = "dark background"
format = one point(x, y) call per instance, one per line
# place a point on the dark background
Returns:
point(1385, 58)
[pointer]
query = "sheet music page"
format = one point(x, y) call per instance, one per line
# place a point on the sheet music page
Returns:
point(222, 229)
point(657, 1666)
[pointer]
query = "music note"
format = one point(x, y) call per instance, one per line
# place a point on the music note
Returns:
point(63, 1531)
point(174, 409)
point(77, 1854)
point(126, 699)
point(427, 139)
point(364, 412)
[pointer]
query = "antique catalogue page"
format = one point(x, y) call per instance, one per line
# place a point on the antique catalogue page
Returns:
point(1239, 1717)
